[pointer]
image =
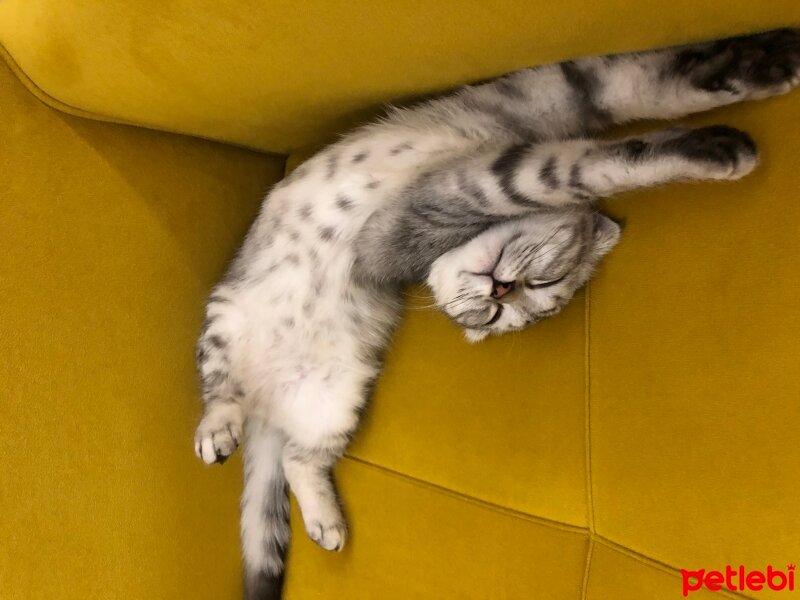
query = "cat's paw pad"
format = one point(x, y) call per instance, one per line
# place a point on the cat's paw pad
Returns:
point(772, 62)
point(755, 66)
point(722, 152)
point(217, 437)
point(330, 536)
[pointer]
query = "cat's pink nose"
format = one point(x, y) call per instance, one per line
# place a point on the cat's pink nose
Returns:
point(502, 288)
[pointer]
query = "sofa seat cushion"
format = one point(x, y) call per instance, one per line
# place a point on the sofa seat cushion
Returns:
point(693, 357)
point(412, 540)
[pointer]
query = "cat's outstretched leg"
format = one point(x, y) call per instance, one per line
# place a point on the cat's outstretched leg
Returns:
point(318, 417)
point(674, 82)
point(220, 429)
point(308, 471)
point(529, 177)
point(587, 95)
point(709, 153)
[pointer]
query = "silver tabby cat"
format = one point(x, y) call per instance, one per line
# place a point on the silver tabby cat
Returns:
point(486, 195)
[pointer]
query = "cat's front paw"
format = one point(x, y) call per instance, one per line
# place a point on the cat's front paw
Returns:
point(330, 536)
point(751, 66)
point(218, 434)
point(718, 152)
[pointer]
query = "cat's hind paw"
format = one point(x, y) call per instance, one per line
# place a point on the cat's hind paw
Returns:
point(330, 536)
point(218, 435)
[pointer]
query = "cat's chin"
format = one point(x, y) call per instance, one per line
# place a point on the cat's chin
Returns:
point(475, 335)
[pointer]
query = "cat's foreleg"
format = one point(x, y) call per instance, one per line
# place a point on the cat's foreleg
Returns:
point(531, 177)
point(318, 416)
point(660, 157)
point(586, 95)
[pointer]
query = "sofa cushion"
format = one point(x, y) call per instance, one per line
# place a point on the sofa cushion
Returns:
point(694, 329)
point(412, 540)
point(503, 420)
point(111, 237)
point(280, 75)
point(619, 574)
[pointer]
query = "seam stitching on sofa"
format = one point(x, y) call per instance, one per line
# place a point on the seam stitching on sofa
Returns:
point(587, 568)
point(485, 504)
point(592, 537)
point(587, 378)
point(653, 563)
point(587, 373)
point(73, 111)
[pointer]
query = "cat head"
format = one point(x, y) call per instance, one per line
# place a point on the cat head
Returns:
point(517, 273)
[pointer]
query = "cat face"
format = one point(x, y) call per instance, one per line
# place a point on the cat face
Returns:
point(517, 273)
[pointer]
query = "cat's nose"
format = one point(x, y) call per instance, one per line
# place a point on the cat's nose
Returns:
point(501, 288)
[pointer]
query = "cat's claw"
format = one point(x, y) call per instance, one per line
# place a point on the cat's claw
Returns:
point(216, 438)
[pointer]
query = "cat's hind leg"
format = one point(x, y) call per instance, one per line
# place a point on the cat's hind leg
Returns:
point(318, 416)
point(220, 430)
point(309, 473)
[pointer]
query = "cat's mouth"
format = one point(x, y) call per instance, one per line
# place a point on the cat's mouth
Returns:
point(496, 317)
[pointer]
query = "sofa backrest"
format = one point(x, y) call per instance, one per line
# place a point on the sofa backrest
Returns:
point(277, 75)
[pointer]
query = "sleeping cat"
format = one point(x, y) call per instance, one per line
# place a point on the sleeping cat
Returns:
point(486, 195)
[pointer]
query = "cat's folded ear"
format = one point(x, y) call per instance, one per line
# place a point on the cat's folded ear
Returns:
point(475, 335)
point(606, 234)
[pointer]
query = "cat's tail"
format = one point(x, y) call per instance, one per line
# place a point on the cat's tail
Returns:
point(265, 512)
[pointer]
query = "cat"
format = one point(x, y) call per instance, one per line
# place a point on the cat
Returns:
point(484, 194)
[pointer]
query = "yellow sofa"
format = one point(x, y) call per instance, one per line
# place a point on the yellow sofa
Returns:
point(652, 426)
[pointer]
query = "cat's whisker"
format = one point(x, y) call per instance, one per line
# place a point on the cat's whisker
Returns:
point(532, 254)
point(421, 308)
point(418, 296)
point(556, 247)
point(458, 299)
point(523, 255)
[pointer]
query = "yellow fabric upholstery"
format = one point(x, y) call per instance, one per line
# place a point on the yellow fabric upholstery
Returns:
point(111, 237)
point(649, 427)
point(617, 573)
point(278, 75)
point(694, 354)
point(502, 421)
point(409, 540)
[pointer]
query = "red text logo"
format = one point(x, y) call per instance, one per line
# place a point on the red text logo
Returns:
point(738, 580)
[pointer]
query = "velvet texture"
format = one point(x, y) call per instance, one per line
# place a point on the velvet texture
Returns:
point(651, 426)
point(111, 237)
point(278, 75)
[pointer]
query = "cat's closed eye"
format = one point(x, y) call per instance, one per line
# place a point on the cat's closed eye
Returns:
point(538, 285)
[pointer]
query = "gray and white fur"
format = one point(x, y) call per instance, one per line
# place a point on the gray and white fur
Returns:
point(486, 195)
